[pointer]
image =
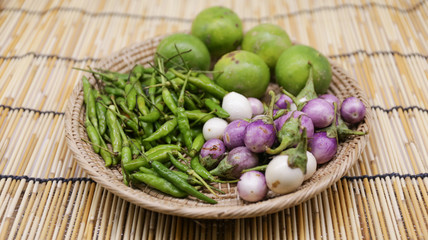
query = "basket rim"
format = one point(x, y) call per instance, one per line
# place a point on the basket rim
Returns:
point(206, 211)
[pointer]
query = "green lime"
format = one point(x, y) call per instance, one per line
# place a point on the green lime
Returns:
point(219, 28)
point(192, 50)
point(268, 41)
point(243, 72)
point(292, 69)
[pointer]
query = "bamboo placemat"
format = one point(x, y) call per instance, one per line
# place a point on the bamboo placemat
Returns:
point(44, 194)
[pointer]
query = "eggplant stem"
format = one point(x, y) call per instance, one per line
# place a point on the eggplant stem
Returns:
point(284, 144)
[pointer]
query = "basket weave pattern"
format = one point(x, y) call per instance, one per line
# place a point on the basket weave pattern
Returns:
point(229, 204)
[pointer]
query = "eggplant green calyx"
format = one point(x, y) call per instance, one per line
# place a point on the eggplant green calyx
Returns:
point(224, 169)
point(288, 135)
point(332, 129)
point(297, 157)
point(343, 130)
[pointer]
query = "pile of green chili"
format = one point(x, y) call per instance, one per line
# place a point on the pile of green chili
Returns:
point(149, 122)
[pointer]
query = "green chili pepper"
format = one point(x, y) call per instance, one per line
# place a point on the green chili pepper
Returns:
point(116, 158)
point(169, 75)
point(126, 156)
point(101, 114)
point(116, 139)
point(163, 131)
point(198, 115)
point(175, 97)
point(179, 165)
point(93, 135)
point(147, 127)
point(213, 99)
point(130, 123)
point(135, 164)
point(137, 71)
point(179, 183)
point(177, 82)
point(86, 89)
point(135, 147)
point(152, 91)
point(219, 111)
point(174, 84)
point(184, 127)
point(136, 74)
point(117, 75)
point(96, 138)
point(166, 94)
point(120, 83)
point(96, 93)
point(141, 104)
point(182, 120)
point(106, 100)
point(115, 91)
point(122, 104)
point(189, 104)
point(197, 144)
point(160, 156)
point(169, 100)
point(118, 79)
point(131, 96)
point(163, 147)
point(138, 87)
point(128, 88)
point(154, 115)
point(189, 179)
point(148, 171)
point(106, 156)
point(160, 184)
point(204, 83)
point(149, 70)
point(201, 170)
point(90, 102)
point(182, 167)
point(195, 99)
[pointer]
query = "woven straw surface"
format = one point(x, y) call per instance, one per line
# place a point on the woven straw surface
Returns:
point(229, 205)
point(45, 194)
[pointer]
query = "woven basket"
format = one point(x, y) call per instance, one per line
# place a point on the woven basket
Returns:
point(229, 204)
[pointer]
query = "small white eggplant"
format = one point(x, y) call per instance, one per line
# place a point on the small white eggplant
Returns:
point(281, 178)
point(311, 165)
point(214, 128)
point(237, 105)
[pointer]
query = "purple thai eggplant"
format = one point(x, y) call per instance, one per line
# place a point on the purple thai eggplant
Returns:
point(260, 135)
point(323, 147)
point(237, 160)
point(234, 134)
point(305, 123)
point(211, 153)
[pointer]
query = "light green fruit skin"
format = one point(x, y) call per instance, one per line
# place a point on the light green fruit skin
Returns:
point(268, 41)
point(198, 58)
point(219, 28)
point(243, 72)
point(292, 69)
